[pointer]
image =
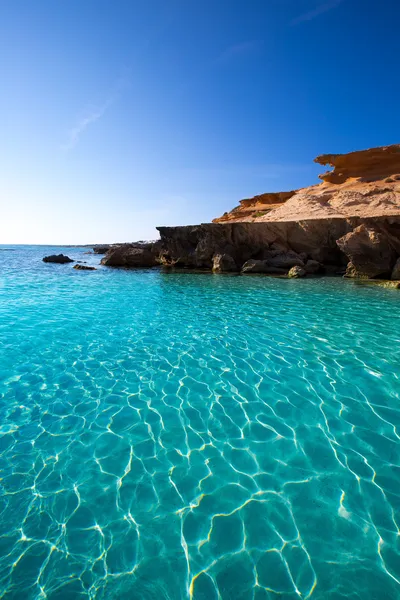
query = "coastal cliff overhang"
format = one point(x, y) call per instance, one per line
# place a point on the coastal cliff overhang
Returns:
point(362, 184)
point(369, 165)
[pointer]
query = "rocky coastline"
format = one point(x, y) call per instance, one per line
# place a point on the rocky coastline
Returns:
point(347, 225)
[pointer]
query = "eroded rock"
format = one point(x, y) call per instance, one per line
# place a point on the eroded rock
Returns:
point(133, 255)
point(223, 263)
point(369, 251)
point(285, 260)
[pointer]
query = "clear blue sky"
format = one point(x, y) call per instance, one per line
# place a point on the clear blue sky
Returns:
point(119, 115)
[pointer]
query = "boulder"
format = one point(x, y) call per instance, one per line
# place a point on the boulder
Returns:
point(59, 259)
point(296, 272)
point(396, 270)
point(84, 268)
point(223, 263)
point(132, 255)
point(369, 252)
point(285, 260)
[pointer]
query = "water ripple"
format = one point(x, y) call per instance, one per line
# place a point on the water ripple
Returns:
point(195, 436)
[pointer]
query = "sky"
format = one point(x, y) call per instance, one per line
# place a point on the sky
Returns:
point(120, 115)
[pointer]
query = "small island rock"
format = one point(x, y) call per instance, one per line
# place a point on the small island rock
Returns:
point(84, 268)
point(59, 259)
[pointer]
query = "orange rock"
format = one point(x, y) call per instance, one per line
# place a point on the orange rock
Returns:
point(362, 184)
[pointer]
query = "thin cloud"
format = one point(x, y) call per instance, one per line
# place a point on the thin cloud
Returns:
point(316, 12)
point(93, 114)
point(238, 50)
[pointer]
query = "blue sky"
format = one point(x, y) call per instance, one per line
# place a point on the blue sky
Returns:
point(119, 115)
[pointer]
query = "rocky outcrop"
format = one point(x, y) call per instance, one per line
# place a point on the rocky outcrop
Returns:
point(101, 248)
point(362, 184)
point(59, 259)
point(133, 255)
point(283, 244)
point(369, 251)
point(368, 165)
point(275, 247)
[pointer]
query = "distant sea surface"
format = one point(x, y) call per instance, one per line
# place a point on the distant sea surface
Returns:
point(176, 436)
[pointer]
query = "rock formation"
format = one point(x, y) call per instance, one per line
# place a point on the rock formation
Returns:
point(60, 259)
point(140, 254)
point(362, 184)
point(102, 248)
point(84, 268)
point(370, 252)
point(348, 223)
point(223, 263)
point(253, 208)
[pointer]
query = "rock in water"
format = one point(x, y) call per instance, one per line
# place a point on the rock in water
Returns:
point(223, 263)
point(132, 255)
point(60, 259)
point(369, 251)
point(296, 272)
point(84, 268)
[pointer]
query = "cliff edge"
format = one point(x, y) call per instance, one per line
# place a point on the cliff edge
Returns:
point(362, 184)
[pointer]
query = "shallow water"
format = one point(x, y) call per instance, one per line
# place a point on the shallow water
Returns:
point(177, 435)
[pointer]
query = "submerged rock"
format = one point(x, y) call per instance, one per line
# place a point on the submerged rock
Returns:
point(84, 268)
point(223, 263)
point(296, 272)
point(369, 251)
point(59, 259)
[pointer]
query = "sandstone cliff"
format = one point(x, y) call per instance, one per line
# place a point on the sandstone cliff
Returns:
point(361, 184)
point(350, 222)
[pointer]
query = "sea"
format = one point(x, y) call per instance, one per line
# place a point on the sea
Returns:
point(178, 436)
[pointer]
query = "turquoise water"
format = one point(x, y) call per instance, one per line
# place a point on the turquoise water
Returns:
point(175, 436)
